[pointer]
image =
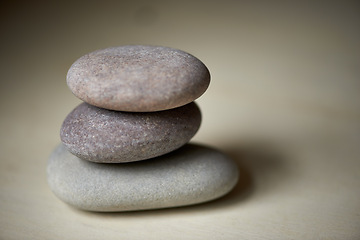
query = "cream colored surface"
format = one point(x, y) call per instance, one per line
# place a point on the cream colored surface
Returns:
point(284, 102)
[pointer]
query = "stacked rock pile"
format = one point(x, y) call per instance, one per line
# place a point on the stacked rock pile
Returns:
point(126, 147)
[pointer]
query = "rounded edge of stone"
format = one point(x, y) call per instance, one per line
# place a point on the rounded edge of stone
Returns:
point(82, 146)
point(61, 151)
point(205, 82)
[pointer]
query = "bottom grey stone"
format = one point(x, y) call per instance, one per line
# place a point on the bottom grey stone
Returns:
point(189, 175)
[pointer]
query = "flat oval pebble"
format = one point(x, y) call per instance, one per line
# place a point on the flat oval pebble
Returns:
point(138, 78)
point(192, 174)
point(100, 135)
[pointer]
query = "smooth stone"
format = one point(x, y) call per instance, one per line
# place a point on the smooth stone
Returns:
point(190, 175)
point(138, 78)
point(100, 135)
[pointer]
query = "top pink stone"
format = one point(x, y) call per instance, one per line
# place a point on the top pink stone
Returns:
point(138, 78)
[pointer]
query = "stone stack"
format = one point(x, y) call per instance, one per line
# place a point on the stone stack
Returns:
point(126, 147)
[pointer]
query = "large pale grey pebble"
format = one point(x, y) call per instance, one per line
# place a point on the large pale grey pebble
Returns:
point(100, 135)
point(138, 78)
point(192, 174)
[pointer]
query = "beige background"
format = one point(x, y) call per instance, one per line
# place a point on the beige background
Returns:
point(284, 102)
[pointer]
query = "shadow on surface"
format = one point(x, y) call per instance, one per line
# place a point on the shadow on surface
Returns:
point(253, 162)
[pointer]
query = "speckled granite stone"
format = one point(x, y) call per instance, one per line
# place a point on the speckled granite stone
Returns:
point(189, 175)
point(138, 78)
point(101, 135)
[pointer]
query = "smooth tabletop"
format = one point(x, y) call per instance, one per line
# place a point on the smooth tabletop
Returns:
point(283, 102)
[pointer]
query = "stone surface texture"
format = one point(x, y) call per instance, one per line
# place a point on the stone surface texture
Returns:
point(189, 175)
point(138, 78)
point(101, 135)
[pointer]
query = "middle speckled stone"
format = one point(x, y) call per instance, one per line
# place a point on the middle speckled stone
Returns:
point(105, 136)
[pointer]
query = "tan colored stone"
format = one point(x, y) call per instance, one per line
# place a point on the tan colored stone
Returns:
point(138, 78)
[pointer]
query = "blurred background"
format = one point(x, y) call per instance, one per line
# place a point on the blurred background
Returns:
point(285, 81)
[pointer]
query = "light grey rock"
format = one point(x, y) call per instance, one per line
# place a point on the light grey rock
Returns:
point(138, 78)
point(100, 135)
point(190, 175)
